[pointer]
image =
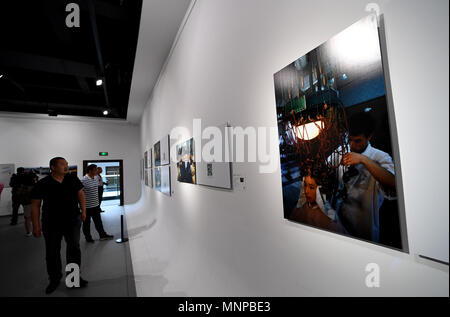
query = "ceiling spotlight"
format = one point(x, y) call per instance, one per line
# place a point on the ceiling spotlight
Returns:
point(105, 112)
point(1, 75)
point(99, 82)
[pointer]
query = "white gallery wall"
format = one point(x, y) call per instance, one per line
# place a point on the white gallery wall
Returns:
point(209, 242)
point(32, 142)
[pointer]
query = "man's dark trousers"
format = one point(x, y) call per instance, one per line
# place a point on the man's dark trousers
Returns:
point(53, 234)
point(15, 209)
point(93, 213)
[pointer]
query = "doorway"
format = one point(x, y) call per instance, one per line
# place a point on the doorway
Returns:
point(112, 176)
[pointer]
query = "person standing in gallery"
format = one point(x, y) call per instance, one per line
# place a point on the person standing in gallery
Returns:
point(62, 197)
point(23, 194)
point(90, 183)
point(373, 180)
point(15, 182)
point(101, 183)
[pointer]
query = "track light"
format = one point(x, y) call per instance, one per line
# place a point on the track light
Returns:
point(105, 113)
point(99, 82)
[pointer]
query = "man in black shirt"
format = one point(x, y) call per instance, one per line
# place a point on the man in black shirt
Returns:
point(62, 197)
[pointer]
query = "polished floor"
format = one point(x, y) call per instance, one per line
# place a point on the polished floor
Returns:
point(105, 264)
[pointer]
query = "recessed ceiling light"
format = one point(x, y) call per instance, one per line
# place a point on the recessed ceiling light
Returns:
point(105, 112)
point(99, 82)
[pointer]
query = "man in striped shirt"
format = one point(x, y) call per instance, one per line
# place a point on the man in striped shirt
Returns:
point(90, 183)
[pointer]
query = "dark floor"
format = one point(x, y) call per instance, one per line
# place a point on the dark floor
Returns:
point(105, 264)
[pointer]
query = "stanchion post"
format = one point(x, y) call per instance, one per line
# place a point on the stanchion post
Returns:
point(122, 238)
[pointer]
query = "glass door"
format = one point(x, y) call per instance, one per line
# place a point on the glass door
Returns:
point(112, 176)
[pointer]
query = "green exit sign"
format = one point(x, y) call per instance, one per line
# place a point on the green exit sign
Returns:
point(103, 153)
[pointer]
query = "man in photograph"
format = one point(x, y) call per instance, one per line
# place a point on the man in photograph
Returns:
point(370, 182)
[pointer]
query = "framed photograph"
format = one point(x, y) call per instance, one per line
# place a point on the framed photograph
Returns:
point(157, 153)
point(186, 170)
point(165, 150)
point(149, 177)
point(161, 151)
point(150, 158)
point(146, 159)
point(217, 174)
point(334, 127)
point(42, 172)
point(162, 179)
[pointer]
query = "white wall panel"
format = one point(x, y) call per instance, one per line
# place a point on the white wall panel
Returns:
point(210, 242)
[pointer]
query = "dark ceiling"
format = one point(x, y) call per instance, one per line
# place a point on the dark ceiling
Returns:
point(47, 67)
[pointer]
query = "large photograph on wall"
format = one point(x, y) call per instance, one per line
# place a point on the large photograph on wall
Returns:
point(42, 172)
point(186, 168)
point(6, 172)
point(336, 151)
